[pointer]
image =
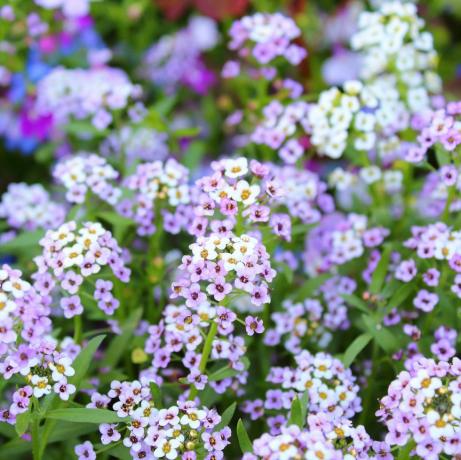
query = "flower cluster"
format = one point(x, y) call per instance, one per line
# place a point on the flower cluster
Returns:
point(222, 267)
point(437, 127)
point(158, 187)
point(28, 207)
point(73, 253)
point(279, 129)
point(322, 439)
point(84, 94)
point(85, 173)
point(423, 406)
point(178, 431)
point(266, 37)
point(136, 143)
point(338, 239)
point(312, 321)
point(330, 387)
point(177, 59)
point(181, 332)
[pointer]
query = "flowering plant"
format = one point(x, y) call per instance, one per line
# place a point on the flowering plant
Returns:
point(229, 231)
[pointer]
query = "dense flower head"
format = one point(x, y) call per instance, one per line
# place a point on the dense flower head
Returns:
point(171, 432)
point(222, 267)
point(177, 59)
point(76, 94)
point(338, 239)
point(71, 254)
point(440, 127)
point(180, 334)
point(85, 173)
point(321, 439)
point(282, 129)
point(330, 388)
point(312, 321)
point(160, 189)
point(266, 37)
point(424, 405)
point(29, 207)
point(137, 143)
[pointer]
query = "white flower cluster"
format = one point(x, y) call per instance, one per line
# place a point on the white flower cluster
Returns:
point(392, 39)
point(331, 387)
point(84, 93)
point(29, 207)
point(87, 172)
point(398, 79)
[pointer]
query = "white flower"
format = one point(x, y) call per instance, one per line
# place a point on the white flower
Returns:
point(41, 386)
point(236, 168)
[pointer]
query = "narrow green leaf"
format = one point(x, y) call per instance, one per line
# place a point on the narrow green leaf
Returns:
point(119, 344)
point(383, 336)
point(244, 439)
point(227, 372)
point(23, 242)
point(22, 422)
point(356, 302)
point(84, 359)
point(310, 286)
point(379, 275)
point(296, 414)
point(355, 348)
point(399, 296)
point(84, 415)
point(156, 395)
point(226, 417)
point(304, 400)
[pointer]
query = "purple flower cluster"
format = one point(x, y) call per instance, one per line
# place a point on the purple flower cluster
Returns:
point(84, 173)
point(266, 37)
point(223, 267)
point(177, 59)
point(323, 439)
point(160, 189)
point(330, 388)
point(310, 323)
point(79, 94)
point(29, 207)
point(424, 406)
point(74, 253)
point(174, 432)
point(280, 128)
point(339, 238)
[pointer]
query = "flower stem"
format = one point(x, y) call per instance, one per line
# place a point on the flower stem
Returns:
point(205, 355)
point(77, 328)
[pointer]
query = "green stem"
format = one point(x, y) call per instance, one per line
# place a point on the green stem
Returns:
point(77, 328)
point(205, 355)
point(36, 445)
point(450, 197)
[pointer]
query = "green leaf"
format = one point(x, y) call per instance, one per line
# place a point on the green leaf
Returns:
point(84, 415)
point(84, 359)
point(7, 430)
point(356, 302)
point(22, 243)
point(244, 439)
point(226, 417)
point(156, 395)
point(119, 344)
point(379, 275)
point(121, 452)
point(384, 338)
point(227, 372)
point(355, 348)
point(310, 286)
point(120, 224)
point(296, 414)
point(399, 296)
point(22, 422)
point(443, 157)
point(304, 400)
point(187, 132)
point(194, 154)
